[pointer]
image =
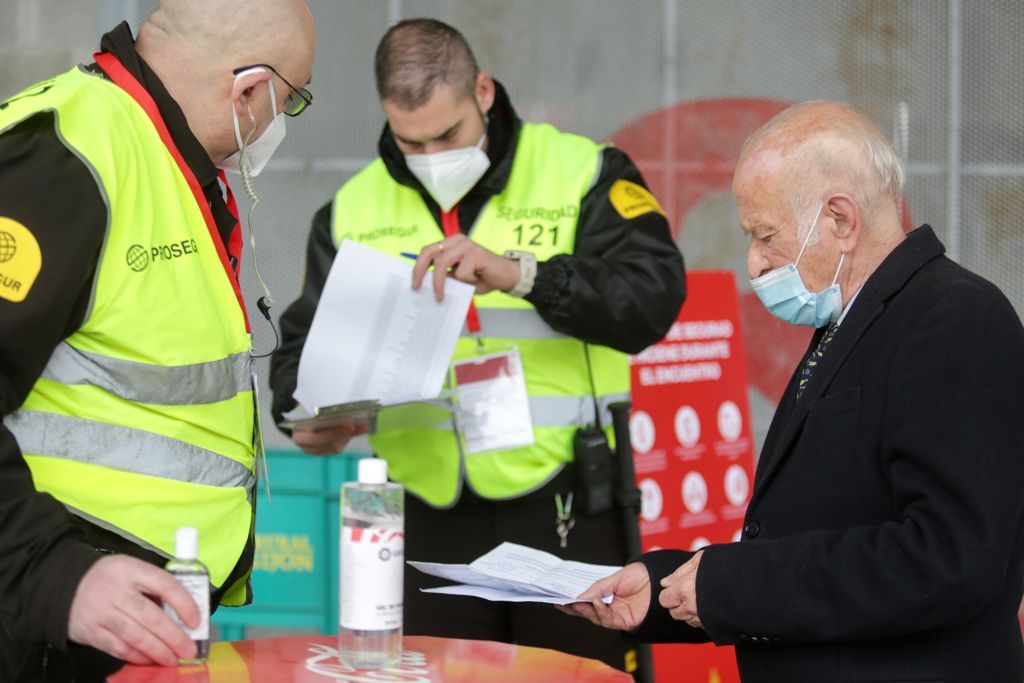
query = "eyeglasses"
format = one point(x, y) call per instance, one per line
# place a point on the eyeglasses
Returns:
point(298, 99)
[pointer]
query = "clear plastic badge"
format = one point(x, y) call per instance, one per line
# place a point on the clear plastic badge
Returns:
point(493, 407)
point(259, 449)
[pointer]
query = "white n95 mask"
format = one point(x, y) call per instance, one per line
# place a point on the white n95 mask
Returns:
point(784, 294)
point(449, 176)
point(256, 153)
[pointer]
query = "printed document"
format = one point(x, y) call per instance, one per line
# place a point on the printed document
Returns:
point(516, 573)
point(374, 341)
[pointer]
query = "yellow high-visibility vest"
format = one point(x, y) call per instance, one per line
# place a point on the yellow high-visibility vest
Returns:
point(143, 418)
point(538, 212)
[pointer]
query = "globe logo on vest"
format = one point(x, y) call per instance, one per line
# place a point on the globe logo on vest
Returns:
point(137, 258)
point(8, 246)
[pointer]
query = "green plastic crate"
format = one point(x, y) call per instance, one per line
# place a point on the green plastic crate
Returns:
point(294, 579)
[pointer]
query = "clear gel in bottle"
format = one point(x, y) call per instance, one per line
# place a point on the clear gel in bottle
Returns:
point(194, 577)
point(372, 561)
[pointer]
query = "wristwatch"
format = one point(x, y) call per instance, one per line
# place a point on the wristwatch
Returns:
point(527, 272)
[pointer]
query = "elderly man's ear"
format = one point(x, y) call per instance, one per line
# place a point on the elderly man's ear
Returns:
point(847, 220)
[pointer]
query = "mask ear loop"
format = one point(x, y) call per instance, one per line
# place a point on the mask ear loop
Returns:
point(244, 168)
point(838, 268)
point(807, 237)
point(486, 118)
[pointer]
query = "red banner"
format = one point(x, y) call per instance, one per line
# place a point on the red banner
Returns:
point(692, 446)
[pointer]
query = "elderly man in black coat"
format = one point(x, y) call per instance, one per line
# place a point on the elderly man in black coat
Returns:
point(884, 540)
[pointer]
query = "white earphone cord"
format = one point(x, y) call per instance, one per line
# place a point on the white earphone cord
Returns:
point(265, 302)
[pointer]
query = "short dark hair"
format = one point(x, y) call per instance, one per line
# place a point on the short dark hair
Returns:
point(415, 55)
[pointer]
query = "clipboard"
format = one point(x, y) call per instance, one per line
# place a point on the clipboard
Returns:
point(332, 416)
point(382, 417)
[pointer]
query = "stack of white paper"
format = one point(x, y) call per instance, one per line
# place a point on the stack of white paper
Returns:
point(516, 573)
point(373, 339)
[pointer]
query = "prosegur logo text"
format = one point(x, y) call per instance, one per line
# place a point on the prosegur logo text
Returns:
point(139, 257)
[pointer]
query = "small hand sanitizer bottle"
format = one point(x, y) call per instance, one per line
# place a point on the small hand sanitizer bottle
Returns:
point(193, 576)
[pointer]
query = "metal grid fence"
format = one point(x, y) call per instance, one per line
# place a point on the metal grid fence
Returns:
point(595, 66)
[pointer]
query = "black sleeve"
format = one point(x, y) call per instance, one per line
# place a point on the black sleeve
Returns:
point(51, 193)
point(658, 625)
point(625, 282)
point(951, 447)
point(295, 321)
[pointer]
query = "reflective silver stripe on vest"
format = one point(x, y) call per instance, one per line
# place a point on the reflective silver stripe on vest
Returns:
point(571, 411)
point(176, 385)
point(514, 323)
point(125, 449)
point(597, 171)
point(563, 411)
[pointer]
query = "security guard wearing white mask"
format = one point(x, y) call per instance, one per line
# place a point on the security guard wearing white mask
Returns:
point(125, 359)
point(574, 267)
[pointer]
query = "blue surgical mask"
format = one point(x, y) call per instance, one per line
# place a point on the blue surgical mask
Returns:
point(783, 293)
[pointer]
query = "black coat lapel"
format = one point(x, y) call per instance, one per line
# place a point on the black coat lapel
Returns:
point(892, 274)
point(782, 412)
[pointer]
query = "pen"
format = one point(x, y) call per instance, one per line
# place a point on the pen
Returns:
point(408, 255)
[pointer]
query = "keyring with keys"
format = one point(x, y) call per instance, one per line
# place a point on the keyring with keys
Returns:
point(564, 521)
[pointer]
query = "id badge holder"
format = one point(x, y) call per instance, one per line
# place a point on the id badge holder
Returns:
point(259, 449)
point(493, 408)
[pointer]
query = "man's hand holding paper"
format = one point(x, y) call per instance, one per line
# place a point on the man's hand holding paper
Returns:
point(373, 343)
point(466, 261)
point(328, 440)
point(516, 573)
point(630, 588)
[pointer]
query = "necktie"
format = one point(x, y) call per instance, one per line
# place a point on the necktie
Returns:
point(814, 358)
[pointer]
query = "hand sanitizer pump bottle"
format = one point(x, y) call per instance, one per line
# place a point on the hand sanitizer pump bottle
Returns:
point(193, 576)
point(372, 561)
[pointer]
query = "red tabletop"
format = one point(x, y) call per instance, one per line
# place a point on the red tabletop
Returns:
point(314, 659)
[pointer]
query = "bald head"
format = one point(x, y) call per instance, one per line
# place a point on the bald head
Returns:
point(194, 46)
point(233, 32)
point(819, 147)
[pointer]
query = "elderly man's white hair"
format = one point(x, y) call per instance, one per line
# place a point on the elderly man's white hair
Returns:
point(828, 142)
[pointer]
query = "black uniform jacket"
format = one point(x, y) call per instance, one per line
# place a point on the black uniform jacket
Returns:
point(884, 540)
point(621, 287)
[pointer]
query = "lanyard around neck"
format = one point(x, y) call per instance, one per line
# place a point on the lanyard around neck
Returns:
point(450, 225)
point(113, 67)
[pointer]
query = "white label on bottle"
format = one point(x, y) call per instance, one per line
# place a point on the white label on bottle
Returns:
point(370, 592)
point(198, 586)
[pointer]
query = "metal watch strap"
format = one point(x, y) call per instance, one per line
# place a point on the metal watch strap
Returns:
point(527, 272)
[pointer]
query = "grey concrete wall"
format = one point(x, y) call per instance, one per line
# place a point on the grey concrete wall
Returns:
point(39, 38)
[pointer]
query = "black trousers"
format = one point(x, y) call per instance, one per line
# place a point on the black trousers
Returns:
point(475, 526)
point(24, 662)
